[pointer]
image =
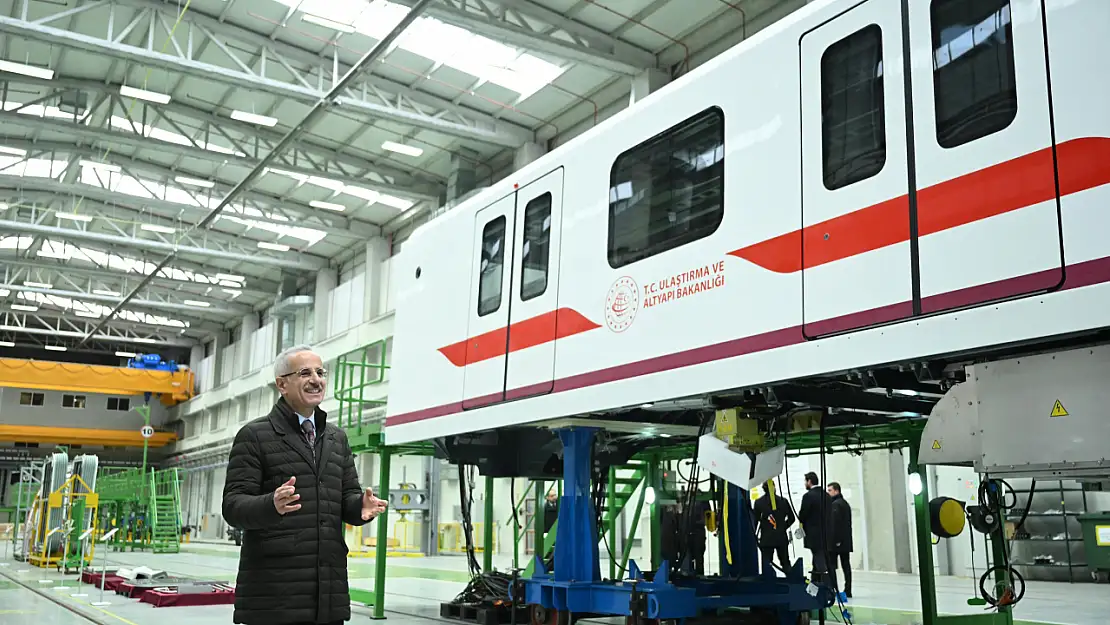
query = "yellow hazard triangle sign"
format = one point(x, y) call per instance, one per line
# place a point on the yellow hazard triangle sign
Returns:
point(1058, 410)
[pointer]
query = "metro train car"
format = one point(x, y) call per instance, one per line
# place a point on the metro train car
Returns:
point(864, 194)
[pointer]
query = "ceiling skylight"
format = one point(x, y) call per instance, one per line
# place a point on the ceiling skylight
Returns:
point(439, 42)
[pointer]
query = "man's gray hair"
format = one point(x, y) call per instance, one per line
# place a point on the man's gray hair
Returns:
point(281, 363)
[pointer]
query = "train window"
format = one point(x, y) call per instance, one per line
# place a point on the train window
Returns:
point(536, 250)
point(853, 109)
point(669, 190)
point(493, 263)
point(974, 83)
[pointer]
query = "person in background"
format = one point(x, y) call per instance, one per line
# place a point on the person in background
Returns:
point(550, 510)
point(774, 516)
point(840, 537)
point(814, 516)
point(291, 486)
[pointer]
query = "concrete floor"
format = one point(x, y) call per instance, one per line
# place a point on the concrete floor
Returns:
point(416, 586)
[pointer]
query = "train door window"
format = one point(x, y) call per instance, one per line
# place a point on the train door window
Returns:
point(974, 82)
point(669, 190)
point(853, 109)
point(536, 251)
point(493, 263)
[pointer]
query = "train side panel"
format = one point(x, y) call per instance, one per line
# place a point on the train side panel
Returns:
point(680, 323)
point(1080, 101)
point(431, 312)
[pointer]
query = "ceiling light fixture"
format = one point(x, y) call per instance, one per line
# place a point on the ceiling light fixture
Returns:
point(332, 206)
point(27, 70)
point(37, 285)
point(7, 344)
point(229, 276)
point(90, 315)
point(280, 247)
point(261, 120)
point(142, 340)
point(24, 308)
point(401, 148)
point(196, 182)
point(74, 217)
point(54, 348)
point(326, 23)
point(105, 292)
point(198, 304)
point(157, 228)
point(97, 165)
point(126, 354)
point(143, 94)
point(13, 151)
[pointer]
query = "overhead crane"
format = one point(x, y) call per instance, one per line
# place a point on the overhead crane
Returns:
point(146, 376)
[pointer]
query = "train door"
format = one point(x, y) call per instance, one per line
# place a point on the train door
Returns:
point(856, 264)
point(988, 222)
point(491, 288)
point(533, 313)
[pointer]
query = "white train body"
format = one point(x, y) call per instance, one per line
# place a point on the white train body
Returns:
point(800, 227)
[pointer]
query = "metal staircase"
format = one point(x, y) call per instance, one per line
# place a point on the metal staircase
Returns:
point(622, 484)
point(165, 512)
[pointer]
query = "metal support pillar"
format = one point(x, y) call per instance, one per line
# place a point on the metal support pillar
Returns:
point(487, 528)
point(924, 543)
point(576, 557)
point(383, 535)
point(653, 513)
point(538, 545)
point(739, 553)
point(432, 484)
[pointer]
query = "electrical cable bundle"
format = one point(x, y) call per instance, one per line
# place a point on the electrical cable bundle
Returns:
point(990, 494)
point(488, 587)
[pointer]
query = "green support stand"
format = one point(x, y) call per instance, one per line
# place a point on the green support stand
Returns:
point(382, 546)
point(487, 528)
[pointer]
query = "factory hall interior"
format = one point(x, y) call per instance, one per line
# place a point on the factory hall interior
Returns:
point(539, 312)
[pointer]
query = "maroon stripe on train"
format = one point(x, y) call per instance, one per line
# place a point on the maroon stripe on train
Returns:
point(1079, 275)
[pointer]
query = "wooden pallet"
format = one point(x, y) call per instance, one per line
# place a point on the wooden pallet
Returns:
point(484, 614)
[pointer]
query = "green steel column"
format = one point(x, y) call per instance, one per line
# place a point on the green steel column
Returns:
point(537, 520)
point(924, 542)
point(487, 528)
point(653, 513)
point(383, 535)
point(1004, 614)
point(144, 410)
point(611, 521)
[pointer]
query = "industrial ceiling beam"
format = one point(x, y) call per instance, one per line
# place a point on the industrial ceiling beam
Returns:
point(305, 150)
point(581, 43)
point(197, 327)
point(367, 103)
point(330, 99)
point(301, 262)
point(254, 286)
point(139, 142)
point(345, 228)
point(222, 309)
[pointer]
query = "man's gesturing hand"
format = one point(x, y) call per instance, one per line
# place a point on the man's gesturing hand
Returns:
point(284, 497)
point(371, 505)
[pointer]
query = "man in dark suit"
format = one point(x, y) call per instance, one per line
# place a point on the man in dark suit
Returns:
point(291, 486)
point(814, 516)
point(840, 537)
point(775, 517)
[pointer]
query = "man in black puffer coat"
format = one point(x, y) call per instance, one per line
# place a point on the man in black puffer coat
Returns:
point(291, 485)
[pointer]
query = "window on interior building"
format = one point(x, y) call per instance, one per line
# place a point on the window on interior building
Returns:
point(853, 108)
point(669, 190)
point(31, 399)
point(121, 404)
point(536, 249)
point(974, 82)
point(73, 401)
point(493, 263)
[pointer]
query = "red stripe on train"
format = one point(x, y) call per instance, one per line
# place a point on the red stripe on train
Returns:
point(530, 332)
point(995, 190)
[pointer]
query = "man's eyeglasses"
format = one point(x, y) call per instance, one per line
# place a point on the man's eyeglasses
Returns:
point(307, 373)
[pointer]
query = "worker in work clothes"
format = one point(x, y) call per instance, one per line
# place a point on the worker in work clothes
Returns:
point(840, 537)
point(774, 516)
point(291, 485)
point(814, 515)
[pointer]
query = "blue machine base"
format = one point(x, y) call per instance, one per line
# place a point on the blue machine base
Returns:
point(681, 599)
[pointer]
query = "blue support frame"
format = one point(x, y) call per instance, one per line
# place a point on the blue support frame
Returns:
point(575, 586)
